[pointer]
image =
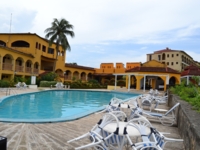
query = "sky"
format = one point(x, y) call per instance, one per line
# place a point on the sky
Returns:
point(110, 31)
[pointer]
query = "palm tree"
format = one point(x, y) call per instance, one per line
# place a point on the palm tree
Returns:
point(57, 34)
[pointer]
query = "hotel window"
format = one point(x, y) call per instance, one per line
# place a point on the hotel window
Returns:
point(172, 63)
point(50, 50)
point(172, 55)
point(167, 55)
point(43, 48)
point(39, 46)
point(36, 45)
point(158, 57)
point(176, 54)
point(167, 63)
point(176, 62)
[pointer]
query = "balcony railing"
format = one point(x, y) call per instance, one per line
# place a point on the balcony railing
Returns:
point(61, 76)
point(7, 66)
point(19, 68)
point(83, 78)
point(28, 70)
point(67, 77)
point(36, 71)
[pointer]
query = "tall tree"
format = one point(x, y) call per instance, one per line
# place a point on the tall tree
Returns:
point(57, 33)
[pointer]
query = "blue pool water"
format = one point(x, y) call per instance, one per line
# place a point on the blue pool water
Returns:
point(55, 105)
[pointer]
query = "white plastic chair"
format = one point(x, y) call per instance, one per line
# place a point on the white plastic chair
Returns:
point(102, 139)
point(167, 119)
point(24, 85)
point(110, 107)
point(161, 139)
point(18, 85)
point(59, 85)
point(147, 101)
point(142, 125)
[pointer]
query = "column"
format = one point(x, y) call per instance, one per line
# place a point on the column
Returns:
point(129, 83)
point(115, 81)
point(144, 83)
point(187, 80)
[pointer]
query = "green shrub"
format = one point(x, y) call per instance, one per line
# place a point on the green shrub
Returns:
point(47, 83)
point(189, 93)
point(106, 82)
point(67, 83)
point(121, 83)
point(112, 82)
point(52, 76)
point(4, 83)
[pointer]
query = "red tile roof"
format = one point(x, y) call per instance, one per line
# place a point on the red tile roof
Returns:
point(191, 70)
point(153, 69)
point(77, 66)
point(165, 50)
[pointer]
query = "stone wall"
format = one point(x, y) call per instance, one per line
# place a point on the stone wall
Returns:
point(188, 122)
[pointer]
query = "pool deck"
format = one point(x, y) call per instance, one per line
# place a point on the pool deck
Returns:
point(54, 136)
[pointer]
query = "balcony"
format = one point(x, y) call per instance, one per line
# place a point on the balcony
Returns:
point(83, 78)
point(7, 66)
point(35, 71)
point(28, 70)
point(67, 77)
point(19, 68)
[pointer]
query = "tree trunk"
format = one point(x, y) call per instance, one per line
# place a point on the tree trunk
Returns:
point(54, 65)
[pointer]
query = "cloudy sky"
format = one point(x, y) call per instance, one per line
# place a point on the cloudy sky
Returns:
point(111, 30)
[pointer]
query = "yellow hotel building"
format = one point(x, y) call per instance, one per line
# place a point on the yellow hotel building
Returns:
point(27, 54)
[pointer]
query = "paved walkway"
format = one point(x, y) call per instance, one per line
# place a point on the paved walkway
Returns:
point(54, 136)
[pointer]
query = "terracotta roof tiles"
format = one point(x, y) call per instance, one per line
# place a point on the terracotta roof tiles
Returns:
point(191, 70)
point(153, 69)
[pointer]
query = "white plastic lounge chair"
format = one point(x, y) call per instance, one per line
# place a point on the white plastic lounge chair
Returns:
point(147, 101)
point(167, 119)
point(18, 85)
point(59, 85)
point(23, 85)
point(160, 100)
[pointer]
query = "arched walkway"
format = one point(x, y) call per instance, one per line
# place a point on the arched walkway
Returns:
point(19, 65)
point(83, 76)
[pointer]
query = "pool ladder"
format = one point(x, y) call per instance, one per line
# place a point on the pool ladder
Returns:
point(10, 91)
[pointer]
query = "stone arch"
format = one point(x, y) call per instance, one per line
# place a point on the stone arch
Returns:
point(20, 43)
point(8, 62)
point(36, 68)
point(173, 80)
point(89, 76)
point(75, 75)
point(19, 64)
point(59, 72)
point(28, 66)
point(83, 76)
point(67, 75)
point(2, 43)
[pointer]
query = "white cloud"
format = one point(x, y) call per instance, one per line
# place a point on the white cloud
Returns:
point(104, 22)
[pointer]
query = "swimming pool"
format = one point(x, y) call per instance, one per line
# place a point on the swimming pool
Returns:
point(55, 105)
